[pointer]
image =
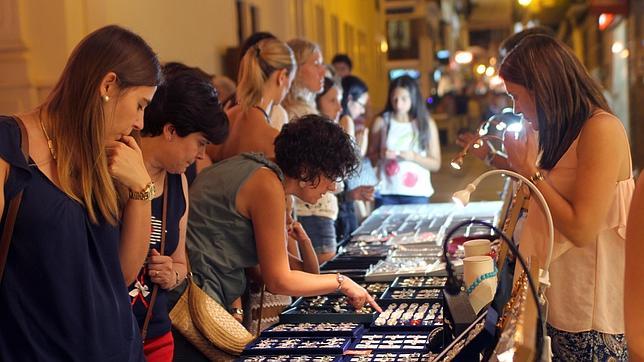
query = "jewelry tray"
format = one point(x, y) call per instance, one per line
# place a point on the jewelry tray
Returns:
point(411, 295)
point(425, 316)
point(321, 310)
point(379, 342)
point(388, 357)
point(297, 346)
point(290, 358)
point(348, 329)
point(420, 282)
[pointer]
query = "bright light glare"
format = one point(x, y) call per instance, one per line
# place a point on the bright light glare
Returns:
point(489, 71)
point(624, 53)
point(463, 57)
point(480, 69)
point(524, 2)
point(515, 127)
point(496, 81)
point(384, 46)
point(617, 47)
point(501, 126)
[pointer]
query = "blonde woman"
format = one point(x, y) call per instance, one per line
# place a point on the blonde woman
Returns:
point(318, 219)
point(265, 75)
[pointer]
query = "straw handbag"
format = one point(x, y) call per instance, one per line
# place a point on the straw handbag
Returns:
point(208, 325)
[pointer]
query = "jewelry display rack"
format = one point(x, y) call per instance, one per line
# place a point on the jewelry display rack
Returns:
point(414, 325)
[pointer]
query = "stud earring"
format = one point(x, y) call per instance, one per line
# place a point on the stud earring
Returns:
point(302, 184)
point(106, 98)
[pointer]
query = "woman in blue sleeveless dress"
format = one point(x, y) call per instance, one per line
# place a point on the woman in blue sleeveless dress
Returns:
point(183, 117)
point(79, 239)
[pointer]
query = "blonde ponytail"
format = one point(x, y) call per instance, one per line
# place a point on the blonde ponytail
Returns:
point(257, 65)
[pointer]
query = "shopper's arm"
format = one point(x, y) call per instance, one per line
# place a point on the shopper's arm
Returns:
point(432, 160)
point(268, 217)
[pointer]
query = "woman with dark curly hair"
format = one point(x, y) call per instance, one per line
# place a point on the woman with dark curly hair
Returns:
point(237, 213)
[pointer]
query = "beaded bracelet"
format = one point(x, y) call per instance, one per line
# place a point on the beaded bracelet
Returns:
point(480, 279)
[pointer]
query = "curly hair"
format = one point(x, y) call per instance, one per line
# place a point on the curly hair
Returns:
point(313, 146)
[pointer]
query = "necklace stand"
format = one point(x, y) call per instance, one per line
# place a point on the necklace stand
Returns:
point(480, 280)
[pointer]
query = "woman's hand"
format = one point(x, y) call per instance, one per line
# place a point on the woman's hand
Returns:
point(522, 150)
point(296, 231)
point(358, 296)
point(125, 162)
point(161, 271)
point(391, 155)
point(362, 193)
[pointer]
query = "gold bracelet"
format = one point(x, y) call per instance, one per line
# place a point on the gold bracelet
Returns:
point(536, 177)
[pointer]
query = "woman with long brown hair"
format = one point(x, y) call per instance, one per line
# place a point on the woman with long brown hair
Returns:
point(580, 161)
point(76, 242)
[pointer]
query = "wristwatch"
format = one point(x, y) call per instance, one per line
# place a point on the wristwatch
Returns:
point(237, 311)
point(147, 194)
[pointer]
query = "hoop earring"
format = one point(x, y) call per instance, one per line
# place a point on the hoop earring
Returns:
point(106, 98)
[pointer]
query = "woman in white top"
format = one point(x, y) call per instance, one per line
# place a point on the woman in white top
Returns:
point(580, 161)
point(404, 145)
point(317, 219)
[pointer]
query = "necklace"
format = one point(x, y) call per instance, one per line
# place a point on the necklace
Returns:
point(50, 143)
point(268, 118)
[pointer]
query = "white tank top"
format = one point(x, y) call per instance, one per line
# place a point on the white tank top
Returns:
point(400, 177)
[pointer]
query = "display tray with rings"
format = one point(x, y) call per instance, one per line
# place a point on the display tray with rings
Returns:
point(358, 250)
point(376, 289)
point(388, 270)
point(350, 329)
point(409, 317)
point(326, 308)
point(347, 264)
point(411, 295)
point(378, 342)
point(297, 346)
point(420, 282)
point(290, 358)
point(389, 357)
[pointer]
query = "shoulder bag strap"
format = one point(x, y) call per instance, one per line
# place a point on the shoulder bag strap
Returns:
point(155, 289)
point(14, 204)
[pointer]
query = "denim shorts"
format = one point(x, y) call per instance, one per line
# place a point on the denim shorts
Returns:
point(321, 230)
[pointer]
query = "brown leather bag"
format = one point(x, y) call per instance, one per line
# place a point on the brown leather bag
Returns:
point(14, 204)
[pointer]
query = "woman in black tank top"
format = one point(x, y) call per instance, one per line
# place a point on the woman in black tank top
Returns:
point(180, 121)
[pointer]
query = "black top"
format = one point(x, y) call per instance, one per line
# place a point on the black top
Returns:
point(141, 289)
point(63, 297)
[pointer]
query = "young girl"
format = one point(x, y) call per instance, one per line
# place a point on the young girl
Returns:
point(404, 145)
